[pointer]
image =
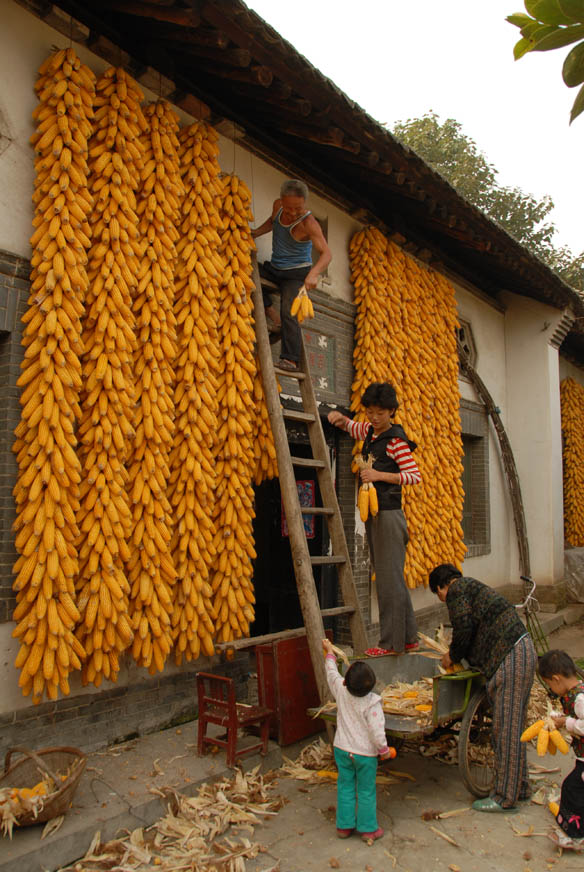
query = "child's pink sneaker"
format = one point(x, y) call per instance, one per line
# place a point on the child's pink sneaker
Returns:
point(371, 837)
point(344, 834)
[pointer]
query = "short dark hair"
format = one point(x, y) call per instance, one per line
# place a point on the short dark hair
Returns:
point(380, 394)
point(443, 575)
point(359, 678)
point(294, 188)
point(556, 662)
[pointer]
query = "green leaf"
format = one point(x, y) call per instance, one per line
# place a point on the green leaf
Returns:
point(534, 30)
point(578, 106)
point(547, 11)
point(519, 19)
point(572, 9)
point(573, 69)
point(520, 48)
point(560, 37)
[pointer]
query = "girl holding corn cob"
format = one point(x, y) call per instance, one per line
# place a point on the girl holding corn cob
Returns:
point(559, 672)
point(359, 740)
point(488, 633)
point(295, 231)
point(393, 466)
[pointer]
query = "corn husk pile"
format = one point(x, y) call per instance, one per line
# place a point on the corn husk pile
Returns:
point(188, 837)
point(410, 700)
point(316, 763)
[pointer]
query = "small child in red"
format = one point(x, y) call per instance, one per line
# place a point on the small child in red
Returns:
point(559, 672)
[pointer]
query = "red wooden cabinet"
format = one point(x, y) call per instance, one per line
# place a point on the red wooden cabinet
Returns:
point(286, 684)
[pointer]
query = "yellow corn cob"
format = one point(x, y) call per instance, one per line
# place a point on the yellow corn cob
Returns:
point(192, 462)
point(106, 428)
point(554, 808)
point(363, 501)
point(532, 731)
point(557, 741)
point(542, 741)
point(47, 487)
point(151, 570)
point(405, 334)
point(373, 502)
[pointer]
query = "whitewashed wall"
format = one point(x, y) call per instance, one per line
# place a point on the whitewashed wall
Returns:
point(569, 370)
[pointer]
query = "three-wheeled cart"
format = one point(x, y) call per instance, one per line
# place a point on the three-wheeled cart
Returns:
point(459, 706)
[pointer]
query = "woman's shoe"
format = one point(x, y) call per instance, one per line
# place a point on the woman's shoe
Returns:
point(378, 652)
point(491, 805)
point(412, 646)
point(371, 837)
point(344, 834)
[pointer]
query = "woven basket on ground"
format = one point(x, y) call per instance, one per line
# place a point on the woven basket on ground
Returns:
point(33, 767)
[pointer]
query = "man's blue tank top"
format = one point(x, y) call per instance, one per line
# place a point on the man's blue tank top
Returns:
point(287, 252)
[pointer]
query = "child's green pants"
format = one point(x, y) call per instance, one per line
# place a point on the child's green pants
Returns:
point(356, 792)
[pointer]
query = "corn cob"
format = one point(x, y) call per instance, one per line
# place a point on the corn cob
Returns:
point(548, 736)
point(532, 731)
point(234, 508)
point(151, 569)
point(266, 464)
point(302, 307)
point(192, 482)
point(116, 158)
point(47, 487)
point(405, 333)
point(572, 408)
point(554, 808)
point(363, 501)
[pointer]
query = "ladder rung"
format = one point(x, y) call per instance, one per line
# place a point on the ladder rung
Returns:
point(293, 415)
point(290, 373)
point(338, 610)
point(316, 510)
point(328, 558)
point(308, 461)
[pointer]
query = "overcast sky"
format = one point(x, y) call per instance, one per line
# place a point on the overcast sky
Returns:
point(400, 58)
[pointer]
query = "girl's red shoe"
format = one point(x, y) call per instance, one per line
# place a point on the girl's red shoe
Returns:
point(344, 834)
point(412, 646)
point(379, 652)
point(371, 837)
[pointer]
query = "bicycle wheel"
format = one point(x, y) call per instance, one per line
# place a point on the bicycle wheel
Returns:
point(476, 760)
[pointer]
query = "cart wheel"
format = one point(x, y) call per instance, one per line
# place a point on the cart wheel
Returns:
point(476, 760)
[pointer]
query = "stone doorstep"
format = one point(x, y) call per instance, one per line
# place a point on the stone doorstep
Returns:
point(569, 615)
point(109, 800)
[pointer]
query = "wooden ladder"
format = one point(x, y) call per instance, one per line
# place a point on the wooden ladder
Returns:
point(302, 560)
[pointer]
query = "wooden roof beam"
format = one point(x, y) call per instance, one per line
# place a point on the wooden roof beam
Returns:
point(332, 136)
point(183, 17)
point(256, 74)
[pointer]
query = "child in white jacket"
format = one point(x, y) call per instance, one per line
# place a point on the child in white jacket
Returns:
point(359, 740)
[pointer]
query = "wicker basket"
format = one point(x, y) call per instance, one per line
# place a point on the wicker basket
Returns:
point(27, 771)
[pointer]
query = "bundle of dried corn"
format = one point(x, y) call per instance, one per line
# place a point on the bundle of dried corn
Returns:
point(116, 158)
point(572, 406)
point(409, 699)
point(266, 465)
point(151, 568)
point(47, 487)
point(234, 508)
point(192, 482)
point(405, 333)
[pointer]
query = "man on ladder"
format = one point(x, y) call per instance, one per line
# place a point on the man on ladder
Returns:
point(294, 231)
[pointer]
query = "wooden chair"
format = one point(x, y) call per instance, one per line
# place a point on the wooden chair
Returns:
point(217, 705)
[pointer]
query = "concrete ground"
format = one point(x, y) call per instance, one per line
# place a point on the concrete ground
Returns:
point(115, 794)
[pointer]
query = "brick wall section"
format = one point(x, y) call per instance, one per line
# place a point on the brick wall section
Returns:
point(14, 290)
point(105, 717)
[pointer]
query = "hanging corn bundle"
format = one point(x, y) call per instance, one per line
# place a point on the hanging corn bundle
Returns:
point(47, 487)
point(151, 568)
point(405, 334)
point(572, 406)
point(192, 483)
point(116, 158)
point(266, 465)
point(234, 508)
